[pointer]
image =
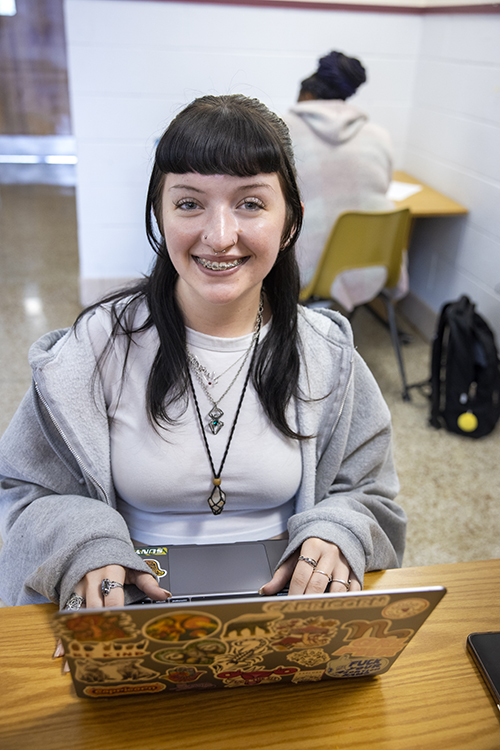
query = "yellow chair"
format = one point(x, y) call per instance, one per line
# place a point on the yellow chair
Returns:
point(365, 239)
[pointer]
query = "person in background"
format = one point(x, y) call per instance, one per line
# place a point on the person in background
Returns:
point(202, 405)
point(344, 162)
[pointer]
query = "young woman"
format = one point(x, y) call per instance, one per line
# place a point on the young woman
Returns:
point(203, 404)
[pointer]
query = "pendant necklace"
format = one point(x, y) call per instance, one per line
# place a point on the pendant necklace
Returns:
point(210, 378)
point(214, 415)
point(217, 498)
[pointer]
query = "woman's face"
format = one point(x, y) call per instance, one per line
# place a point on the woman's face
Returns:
point(223, 235)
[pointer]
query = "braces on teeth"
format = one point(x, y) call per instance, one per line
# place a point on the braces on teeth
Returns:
point(219, 265)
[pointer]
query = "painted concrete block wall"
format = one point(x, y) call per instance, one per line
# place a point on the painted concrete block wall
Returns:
point(133, 65)
point(434, 82)
point(454, 144)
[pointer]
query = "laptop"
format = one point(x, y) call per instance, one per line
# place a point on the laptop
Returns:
point(194, 572)
point(204, 639)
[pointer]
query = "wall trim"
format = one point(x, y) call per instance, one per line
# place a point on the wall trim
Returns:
point(411, 7)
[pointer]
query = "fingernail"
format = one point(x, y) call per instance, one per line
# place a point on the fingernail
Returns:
point(59, 650)
point(261, 591)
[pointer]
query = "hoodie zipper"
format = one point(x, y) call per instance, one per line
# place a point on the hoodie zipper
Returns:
point(342, 404)
point(67, 443)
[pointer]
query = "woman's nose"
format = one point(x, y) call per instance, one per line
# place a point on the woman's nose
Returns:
point(221, 231)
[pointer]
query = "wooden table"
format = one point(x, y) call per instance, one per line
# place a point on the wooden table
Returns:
point(432, 699)
point(427, 202)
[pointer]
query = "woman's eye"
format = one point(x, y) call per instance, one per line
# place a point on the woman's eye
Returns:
point(252, 204)
point(187, 205)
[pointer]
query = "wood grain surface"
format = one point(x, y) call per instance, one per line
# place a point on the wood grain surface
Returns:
point(428, 202)
point(433, 697)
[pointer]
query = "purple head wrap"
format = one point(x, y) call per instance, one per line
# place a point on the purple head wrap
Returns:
point(337, 77)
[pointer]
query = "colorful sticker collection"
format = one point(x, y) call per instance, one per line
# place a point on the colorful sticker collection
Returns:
point(111, 656)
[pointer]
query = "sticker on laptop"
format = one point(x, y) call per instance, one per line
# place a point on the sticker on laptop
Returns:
point(106, 650)
point(309, 658)
point(373, 639)
point(116, 691)
point(197, 652)
point(104, 626)
point(118, 670)
point(183, 674)
point(303, 633)
point(251, 625)
point(155, 567)
point(238, 678)
point(181, 626)
point(346, 666)
point(244, 654)
point(405, 608)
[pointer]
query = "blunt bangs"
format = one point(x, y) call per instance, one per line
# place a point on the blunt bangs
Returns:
point(232, 135)
point(224, 140)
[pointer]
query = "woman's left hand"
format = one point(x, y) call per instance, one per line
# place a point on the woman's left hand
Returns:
point(310, 568)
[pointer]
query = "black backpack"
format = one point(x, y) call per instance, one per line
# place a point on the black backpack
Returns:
point(465, 372)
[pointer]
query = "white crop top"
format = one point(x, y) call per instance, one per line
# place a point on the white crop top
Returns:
point(163, 478)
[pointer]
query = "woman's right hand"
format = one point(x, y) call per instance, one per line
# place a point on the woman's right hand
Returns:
point(90, 586)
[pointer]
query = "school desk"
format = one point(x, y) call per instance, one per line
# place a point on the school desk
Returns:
point(427, 202)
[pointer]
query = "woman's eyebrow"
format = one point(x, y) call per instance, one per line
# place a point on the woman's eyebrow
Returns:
point(257, 185)
point(252, 186)
point(186, 187)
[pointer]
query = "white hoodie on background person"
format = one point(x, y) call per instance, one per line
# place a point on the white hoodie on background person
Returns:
point(344, 162)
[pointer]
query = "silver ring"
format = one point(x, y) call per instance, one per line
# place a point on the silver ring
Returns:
point(107, 585)
point(330, 579)
point(75, 601)
point(308, 560)
point(219, 252)
point(347, 584)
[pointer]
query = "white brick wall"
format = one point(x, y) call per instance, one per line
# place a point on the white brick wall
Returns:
point(454, 144)
point(133, 65)
point(434, 82)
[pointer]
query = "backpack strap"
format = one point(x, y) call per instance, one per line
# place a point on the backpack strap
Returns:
point(437, 353)
point(461, 319)
point(458, 318)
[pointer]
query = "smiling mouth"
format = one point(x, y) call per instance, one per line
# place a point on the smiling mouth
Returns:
point(219, 265)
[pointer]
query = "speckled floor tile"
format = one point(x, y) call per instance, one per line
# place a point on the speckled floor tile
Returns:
point(450, 484)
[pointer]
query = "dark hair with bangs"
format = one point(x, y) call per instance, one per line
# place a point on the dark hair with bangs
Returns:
point(219, 135)
point(238, 136)
point(231, 135)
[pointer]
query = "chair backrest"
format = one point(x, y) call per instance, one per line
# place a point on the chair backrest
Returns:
point(360, 239)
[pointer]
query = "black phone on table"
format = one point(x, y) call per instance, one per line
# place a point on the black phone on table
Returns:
point(485, 650)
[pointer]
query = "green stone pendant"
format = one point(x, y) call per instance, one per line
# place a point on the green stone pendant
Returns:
point(215, 424)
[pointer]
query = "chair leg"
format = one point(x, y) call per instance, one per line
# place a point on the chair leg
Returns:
point(404, 337)
point(396, 344)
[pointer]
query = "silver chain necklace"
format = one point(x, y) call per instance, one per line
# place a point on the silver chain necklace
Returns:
point(210, 378)
point(214, 415)
point(217, 498)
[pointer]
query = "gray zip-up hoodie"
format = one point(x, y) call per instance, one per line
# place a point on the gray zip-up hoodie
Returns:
point(58, 516)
